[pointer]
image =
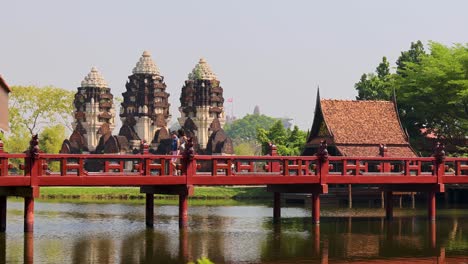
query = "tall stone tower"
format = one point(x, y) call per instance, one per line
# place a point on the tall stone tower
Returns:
point(93, 107)
point(202, 101)
point(145, 106)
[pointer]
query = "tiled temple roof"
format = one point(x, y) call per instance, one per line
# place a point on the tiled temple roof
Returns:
point(363, 122)
point(358, 127)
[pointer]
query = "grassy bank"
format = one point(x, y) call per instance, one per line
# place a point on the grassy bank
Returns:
point(133, 193)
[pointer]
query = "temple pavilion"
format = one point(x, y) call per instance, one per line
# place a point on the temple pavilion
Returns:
point(358, 128)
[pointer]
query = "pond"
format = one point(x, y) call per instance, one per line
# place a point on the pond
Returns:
point(116, 233)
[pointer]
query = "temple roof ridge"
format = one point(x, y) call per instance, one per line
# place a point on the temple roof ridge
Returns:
point(146, 65)
point(202, 71)
point(357, 101)
point(94, 79)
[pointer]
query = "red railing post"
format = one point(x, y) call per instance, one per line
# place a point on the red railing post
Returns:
point(3, 199)
point(323, 169)
point(323, 163)
point(34, 168)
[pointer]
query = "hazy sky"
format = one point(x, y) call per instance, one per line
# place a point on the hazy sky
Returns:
point(268, 53)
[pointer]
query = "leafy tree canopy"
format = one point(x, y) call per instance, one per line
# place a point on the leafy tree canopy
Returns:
point(431, 88)
point(288, 142)
point(51, 138)
point(433, 92)
point(376, 87)
point(33, 107)
point(245, 129)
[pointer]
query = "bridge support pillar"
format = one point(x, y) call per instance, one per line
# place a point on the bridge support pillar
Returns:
point(183, 210)
point(28, 248)
point(388, 205)
point(315, 208)
point(149, 210)
point(3, 213)
point(276, 206)
point(431, 206)
point(28, 214)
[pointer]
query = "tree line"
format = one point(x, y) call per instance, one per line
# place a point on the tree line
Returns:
point(431, 89)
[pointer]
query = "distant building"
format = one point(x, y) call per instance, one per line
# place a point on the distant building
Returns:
point(4, 91)
point(256, 110)
point(201, 102)
point(357, 128)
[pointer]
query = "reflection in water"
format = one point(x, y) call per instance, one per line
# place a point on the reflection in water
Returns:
point(66, 233)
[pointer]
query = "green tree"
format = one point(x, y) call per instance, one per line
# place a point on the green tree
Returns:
point(383, 70)
point(288, 143)
point(35, 107)
point(50, 141)
point(246, 148)
point(431, 88)
point(433, 93)
point(413, 55)
point(51, 138)
point(245, 129)
point(376, 87)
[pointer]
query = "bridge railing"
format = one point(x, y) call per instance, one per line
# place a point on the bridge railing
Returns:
point(108, 164)
point(256, 165)
point(164, 165)
point(12, 164)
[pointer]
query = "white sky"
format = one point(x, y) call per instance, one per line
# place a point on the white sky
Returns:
point(268, 53)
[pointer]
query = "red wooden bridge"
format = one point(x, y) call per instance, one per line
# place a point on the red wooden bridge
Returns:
point(156, 174)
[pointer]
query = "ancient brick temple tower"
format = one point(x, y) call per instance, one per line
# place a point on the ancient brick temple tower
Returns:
point(93, 107)
point(145, 106)
point(201, 101)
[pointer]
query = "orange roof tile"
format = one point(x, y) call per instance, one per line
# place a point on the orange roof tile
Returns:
point(363, 122)
point(373, 151)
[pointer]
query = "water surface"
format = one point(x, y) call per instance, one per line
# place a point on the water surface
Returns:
point(116, 233)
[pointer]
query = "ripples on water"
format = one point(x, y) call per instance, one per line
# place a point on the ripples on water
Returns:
point(116, 233)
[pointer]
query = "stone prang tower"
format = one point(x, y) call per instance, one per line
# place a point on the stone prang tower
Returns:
point(145, 106)
point(201, 102)
point(93, 107)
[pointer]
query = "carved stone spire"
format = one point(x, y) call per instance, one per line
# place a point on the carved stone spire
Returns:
point(202, 101)
point(94, 79)
point(146, 65)
point(202, 71)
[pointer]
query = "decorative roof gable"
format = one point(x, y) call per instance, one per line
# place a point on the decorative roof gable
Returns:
point(4, 85)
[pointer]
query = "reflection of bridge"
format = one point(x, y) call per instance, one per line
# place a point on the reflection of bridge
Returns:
point(157, 175)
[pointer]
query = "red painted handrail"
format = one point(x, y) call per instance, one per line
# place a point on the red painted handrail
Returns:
point(204, 169)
